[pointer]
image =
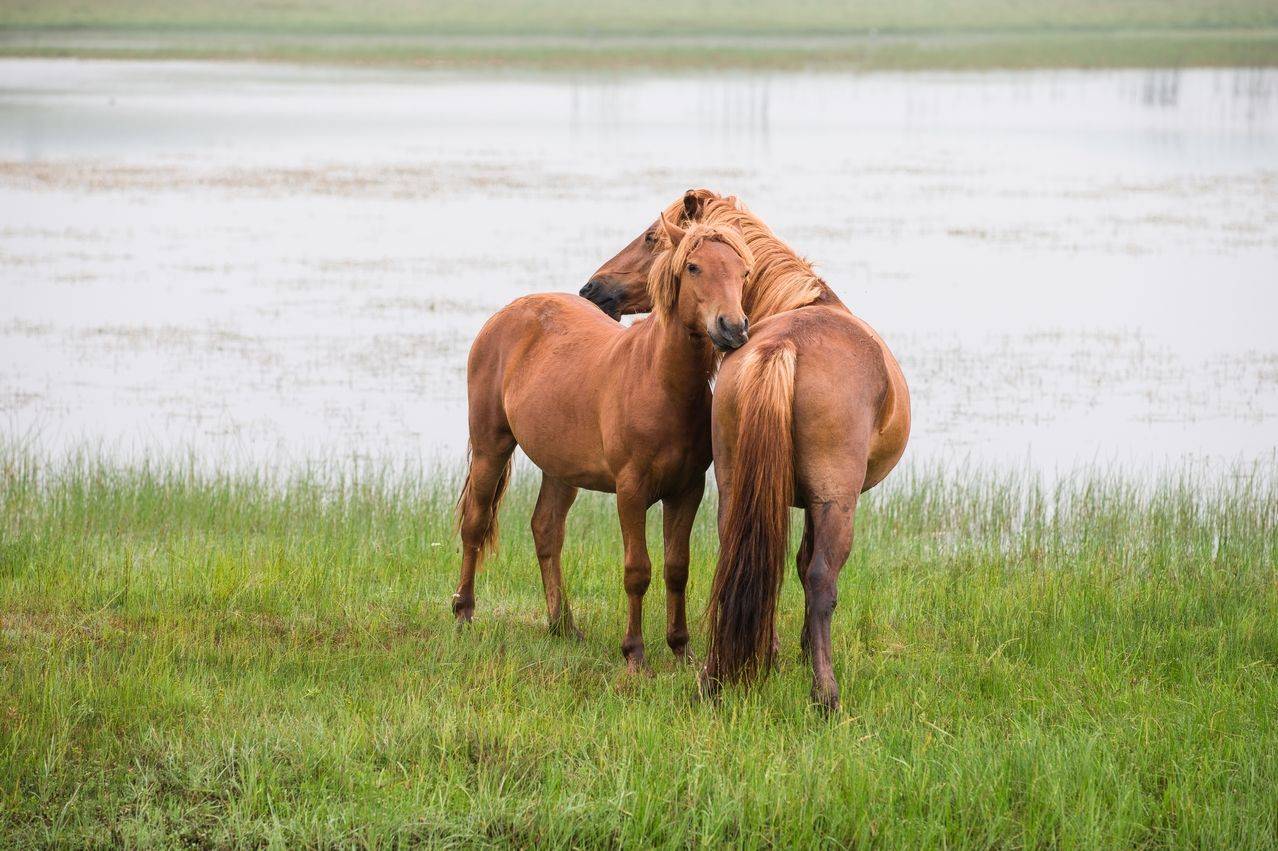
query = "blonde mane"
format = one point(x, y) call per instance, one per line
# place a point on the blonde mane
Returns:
point(781, 280)
point(663, 286)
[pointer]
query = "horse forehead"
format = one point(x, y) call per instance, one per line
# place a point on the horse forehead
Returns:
point(712, 253)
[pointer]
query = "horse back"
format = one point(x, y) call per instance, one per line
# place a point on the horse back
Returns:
point(536, 331)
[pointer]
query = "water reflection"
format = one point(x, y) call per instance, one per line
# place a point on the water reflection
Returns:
point(1161, 88)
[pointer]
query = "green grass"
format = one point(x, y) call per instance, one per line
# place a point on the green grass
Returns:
point(233, 660)
point(663, 34)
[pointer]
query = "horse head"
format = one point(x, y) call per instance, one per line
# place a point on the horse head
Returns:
point(698, 280)
point(620, 286)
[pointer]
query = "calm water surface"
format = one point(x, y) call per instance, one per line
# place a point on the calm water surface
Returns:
point(262, 265)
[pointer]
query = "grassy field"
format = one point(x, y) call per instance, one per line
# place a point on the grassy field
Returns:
point(663, 34)
point(198, 660)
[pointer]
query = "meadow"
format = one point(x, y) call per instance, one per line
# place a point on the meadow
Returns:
point(665, 34)
point(199, 659)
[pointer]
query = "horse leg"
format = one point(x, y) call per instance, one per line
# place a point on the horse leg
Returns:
point(632, 511)
point(801, 561)
point(548, 519)
point(678, 513)
point(477, 515)
point(832, 524)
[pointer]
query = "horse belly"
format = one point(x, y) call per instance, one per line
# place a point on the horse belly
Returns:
point(555, 422)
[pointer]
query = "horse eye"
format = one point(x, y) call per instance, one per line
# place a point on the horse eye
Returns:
point(693, 268)
point(649, 239)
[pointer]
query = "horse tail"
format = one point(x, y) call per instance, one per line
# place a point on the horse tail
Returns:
point(473, 513)
point(755, 531)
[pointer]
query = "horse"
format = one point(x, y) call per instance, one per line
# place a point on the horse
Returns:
point(600, 406)
point(811, 412)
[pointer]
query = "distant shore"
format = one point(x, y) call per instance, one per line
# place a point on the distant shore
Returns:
point(1100, 48)
point(660, 34)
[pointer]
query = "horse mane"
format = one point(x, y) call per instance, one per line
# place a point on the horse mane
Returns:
point(663, 287)
point(781, 280)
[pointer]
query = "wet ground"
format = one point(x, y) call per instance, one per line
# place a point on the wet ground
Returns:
point(260, 265)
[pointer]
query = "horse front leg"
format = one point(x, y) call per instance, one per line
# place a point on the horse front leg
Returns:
point(632, 510)
point(678, 514)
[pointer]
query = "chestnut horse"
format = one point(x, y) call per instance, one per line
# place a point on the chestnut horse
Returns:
point(596, 405)
point(811, 412)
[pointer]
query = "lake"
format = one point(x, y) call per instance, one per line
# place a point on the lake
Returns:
point(261, 265)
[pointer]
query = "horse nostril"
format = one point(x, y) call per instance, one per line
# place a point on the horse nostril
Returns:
point(732, 330)
point(589, 289)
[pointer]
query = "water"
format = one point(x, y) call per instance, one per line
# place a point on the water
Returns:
point(262, 265)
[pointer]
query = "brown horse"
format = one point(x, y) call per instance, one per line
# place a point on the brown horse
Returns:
point(596, 405)
point(811, 412)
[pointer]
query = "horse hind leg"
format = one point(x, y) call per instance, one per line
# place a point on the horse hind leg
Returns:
point(548, 521)
point(477, 517)
point(802, 559)
point(832, 526)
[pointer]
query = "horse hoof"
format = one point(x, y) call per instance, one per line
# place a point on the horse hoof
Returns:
point(638, 667)
point(683, 653)
point(463, 606)
point(826, 704)
point(567, 629)
point(707, 688)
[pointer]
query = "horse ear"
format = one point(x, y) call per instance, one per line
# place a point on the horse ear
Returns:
point(673, 231)
point(692, 204)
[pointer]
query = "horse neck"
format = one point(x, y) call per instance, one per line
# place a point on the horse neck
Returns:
point(763, 303)
point(681, 362)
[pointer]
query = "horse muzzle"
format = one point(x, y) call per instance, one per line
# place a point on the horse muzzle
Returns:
point(598, 292)
point(728, 336)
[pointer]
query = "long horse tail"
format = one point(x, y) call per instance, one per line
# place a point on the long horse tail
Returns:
point(755, 532)
point(482, 513)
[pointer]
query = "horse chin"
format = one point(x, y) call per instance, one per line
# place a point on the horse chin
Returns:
point(610, 306)
point(724, 344)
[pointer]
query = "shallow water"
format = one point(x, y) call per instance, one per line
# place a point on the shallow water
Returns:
point(260, 265)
